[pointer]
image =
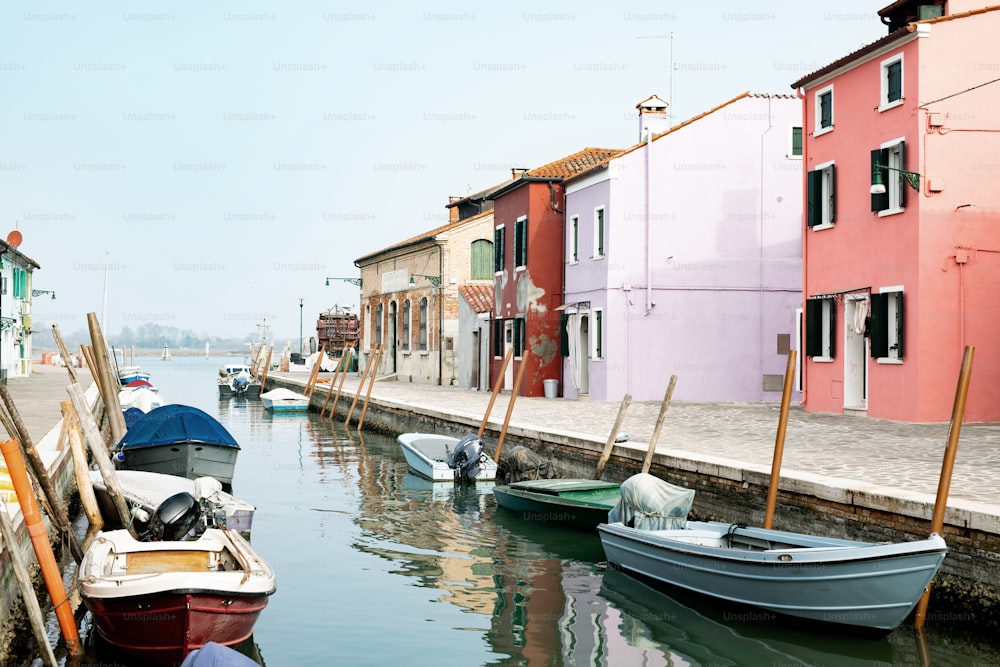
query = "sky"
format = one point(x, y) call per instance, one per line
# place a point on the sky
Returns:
point(213, 163)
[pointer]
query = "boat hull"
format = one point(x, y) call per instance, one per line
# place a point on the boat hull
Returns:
point(226, 391)
point(576, 502)
point(425, 455)
point(858, 584)
point(187, 459)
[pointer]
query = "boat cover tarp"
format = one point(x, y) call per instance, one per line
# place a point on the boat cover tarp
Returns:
point(520, 463)
point(132, 415)
point(175, 423)
point(217, 655)
point(649, 503)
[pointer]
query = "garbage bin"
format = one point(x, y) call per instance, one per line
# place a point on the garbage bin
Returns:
point(551, 388)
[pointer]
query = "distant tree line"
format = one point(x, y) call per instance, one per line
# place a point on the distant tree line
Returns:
point(148, 336)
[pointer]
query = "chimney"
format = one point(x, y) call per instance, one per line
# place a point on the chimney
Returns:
point(453, 211)
point(652, 116)
point(518, 172)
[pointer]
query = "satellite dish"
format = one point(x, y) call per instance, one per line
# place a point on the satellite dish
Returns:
point(14, 239)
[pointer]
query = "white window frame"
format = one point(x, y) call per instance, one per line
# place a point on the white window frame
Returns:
point(829, 221)
point(596, 334)
point(518, 243)
point(818, 130)
point(600, 232)
point(884, 103)
point(791, 142)
point(893, 183)
point(573, 241)
point(893, 330)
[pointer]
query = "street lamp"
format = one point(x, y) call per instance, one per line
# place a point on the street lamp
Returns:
point(878, 187)
point(39, 292)
point(353, 281)
point(434, 280)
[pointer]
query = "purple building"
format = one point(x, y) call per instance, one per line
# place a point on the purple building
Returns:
point(684, 256)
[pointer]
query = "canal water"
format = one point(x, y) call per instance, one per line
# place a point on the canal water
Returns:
point(376, 566)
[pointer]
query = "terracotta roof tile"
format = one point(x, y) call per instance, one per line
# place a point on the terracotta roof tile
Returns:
point(426, 236)
point(572, 165)
point(480, 297)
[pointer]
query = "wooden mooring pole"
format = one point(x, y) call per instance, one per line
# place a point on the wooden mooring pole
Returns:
point(371, 383)
point(606, 454)
point(496, 390)
point(357, 392)
point(510, 405)
point(779, 442)
point(651, 449)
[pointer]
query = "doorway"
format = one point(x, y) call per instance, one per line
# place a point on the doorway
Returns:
point(855, 353)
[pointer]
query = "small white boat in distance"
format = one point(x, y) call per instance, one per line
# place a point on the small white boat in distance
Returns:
point(441, 458)
point(869, 587)
point(284, 400)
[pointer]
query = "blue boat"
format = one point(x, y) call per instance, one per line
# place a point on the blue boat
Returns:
point(180, 440)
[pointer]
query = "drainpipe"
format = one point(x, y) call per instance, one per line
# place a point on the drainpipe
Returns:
point(649, 182)
point(760, 245)
point(440, 300)
point(805, 236)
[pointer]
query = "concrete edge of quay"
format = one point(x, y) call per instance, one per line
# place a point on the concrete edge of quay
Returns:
point(730, 490)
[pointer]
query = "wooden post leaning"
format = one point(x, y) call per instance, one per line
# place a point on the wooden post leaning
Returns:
point(314, 373)
point(648, 461)
point(510, 405)
point(27, 590)
point(267, 367)
point(779, 442)
point(92, 436)
point(357, 392)
point(371, 383)
point(109, 385)
point(606, 454)
point(947, 465)
point(340, 385)
point(80, 469)
point(12, 420)
point(333, 379)
point(496, 390)
point(57, 336)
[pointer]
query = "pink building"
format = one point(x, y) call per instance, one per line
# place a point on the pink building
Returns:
point(902, 236)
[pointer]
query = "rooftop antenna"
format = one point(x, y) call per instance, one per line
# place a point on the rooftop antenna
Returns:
point(672, 77)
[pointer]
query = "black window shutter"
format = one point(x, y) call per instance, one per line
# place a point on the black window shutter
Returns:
point(880, 326)
point(833, 328)
point(497, 338)
point(564, 334)
point(814, 328)
point(814, 188)
point(903, 184)
point(899, 323)
point(832, 194)
point(880, 157)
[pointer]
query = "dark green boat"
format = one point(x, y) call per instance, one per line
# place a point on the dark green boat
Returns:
point(583, 503)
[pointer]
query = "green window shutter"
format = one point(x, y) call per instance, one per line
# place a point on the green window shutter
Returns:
point(797, 141)
point(814, 188)
point(903, 184)
point(518, 336)
point(832, 194)
point(894, 81)
point(599, 332)
point(599, 221)
point(833, 328)
point(564, 334)
point(880, 326)
point(498, 249)
point(521, 242)
point(575, 238)
point(814, 328)
point(826, 110)
point(880, 156)
point(482, 256)
point(498, 338)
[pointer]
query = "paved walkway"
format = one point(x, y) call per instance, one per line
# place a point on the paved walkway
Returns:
point(901, 460)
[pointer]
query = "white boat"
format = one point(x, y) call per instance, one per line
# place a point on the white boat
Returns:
point(442, 458)
point(237, 380)
point(160, 600)
point(146, 491)
point(284, 400)
point(867, 586)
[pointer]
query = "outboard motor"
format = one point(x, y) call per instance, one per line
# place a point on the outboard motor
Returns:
point(467, 458)
point(174, 518)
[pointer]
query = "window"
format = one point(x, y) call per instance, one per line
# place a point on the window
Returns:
point(498, 338)
point(482, 255)
point(521, 242)
point(498, 237)
point(892, 83)
point(573, 250)
point(378, 324)
point(888, 161)
point(821, 192)
point(821, 335)
point(597, 351)
point(406, 324)
point(519, 336)
point(887, 325)
point(824, 111)
point(796, 147)
point(423, 323)
point(598, 233)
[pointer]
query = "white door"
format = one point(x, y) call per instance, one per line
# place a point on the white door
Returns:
point(584, 348)
point(508, 343)
point(855, 353)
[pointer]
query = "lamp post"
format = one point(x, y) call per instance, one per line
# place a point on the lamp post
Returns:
point(353, 281)
point(878, 187)
point(434, 280)
point(300, 327)
point(39, 292)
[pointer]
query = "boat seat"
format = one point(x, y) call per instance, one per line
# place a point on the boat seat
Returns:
point(155, 562)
